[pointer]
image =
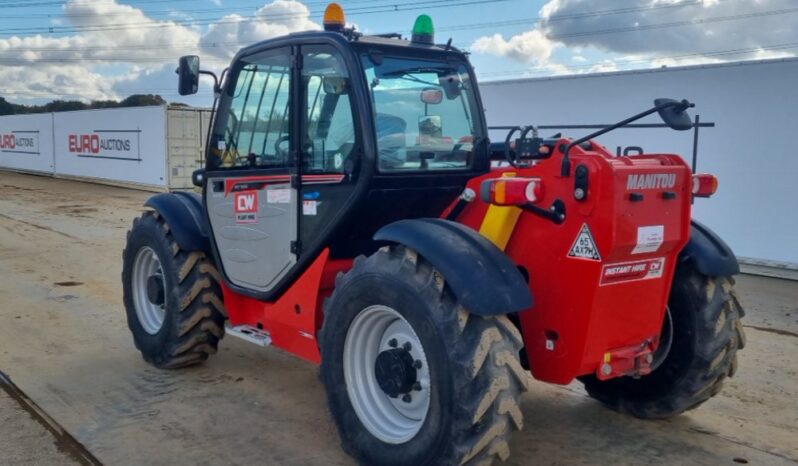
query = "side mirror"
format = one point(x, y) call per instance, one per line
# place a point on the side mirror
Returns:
point(198, 177)
point(188, 75)
point(432, 96)
point(674, 113)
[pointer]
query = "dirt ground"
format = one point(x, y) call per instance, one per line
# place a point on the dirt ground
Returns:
point(64, 342)
point(24, 441)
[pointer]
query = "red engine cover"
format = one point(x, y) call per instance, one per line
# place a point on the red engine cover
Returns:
point(601, 279)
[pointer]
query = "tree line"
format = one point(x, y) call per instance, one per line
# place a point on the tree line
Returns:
point(136, 100)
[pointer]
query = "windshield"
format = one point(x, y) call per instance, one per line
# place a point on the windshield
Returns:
point(424, 113)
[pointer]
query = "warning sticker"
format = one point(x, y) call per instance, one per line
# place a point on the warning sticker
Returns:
point(310, 207)
point(246, 207)
point(585, 246)
point(649, 239)
point(278, 196)
point(623, 272)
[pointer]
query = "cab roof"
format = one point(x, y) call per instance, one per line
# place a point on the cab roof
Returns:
point(353, 38)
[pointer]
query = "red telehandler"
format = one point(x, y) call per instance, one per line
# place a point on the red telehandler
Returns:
point(354, 213)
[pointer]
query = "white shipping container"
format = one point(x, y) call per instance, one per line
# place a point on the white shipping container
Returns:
point(26, 143)
point(155, 148)
point(751, 150)
point(126, 145)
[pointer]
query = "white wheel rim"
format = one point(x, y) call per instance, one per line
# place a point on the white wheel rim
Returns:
point(150, 315)
point(392, 420)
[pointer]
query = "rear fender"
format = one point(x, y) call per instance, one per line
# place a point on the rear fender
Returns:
point(710, 254)
point(183, 212)
point(479, 274)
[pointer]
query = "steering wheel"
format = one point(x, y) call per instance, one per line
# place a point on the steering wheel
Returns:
point(507, 153)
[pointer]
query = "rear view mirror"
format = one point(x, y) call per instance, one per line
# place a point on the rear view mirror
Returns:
point(432, 96)
point(188, 75)
point(451, 85)
point(674, 113)
point(335, 85)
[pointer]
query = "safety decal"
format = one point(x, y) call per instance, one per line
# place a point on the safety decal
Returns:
point(623, 272)
point(585, 246)
point(246, 207)
point(649, 239)
point(310, 207)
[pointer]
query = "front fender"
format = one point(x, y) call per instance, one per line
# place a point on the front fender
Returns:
point(710, 254)
point(183, 212)
point(479, 274)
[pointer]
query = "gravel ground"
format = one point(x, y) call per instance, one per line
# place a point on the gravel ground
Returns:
point(64, 342)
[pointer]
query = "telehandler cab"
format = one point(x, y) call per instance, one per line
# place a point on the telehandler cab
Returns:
point(354, 213)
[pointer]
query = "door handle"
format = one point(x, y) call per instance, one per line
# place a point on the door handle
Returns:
point(217, 186)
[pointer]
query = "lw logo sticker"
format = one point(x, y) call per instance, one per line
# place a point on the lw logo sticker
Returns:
point(246, 207)
point(585, 246)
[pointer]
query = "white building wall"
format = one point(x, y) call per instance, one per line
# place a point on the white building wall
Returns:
point(752, 150)
point(26, 142)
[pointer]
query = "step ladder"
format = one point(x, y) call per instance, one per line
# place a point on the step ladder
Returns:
point(249, 333)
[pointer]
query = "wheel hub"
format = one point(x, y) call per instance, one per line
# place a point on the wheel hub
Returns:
point(387, 374)
point(395, 372)
point(148, 290)
point(155, 290)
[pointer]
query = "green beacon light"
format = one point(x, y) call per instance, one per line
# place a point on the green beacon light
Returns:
point(423, 31)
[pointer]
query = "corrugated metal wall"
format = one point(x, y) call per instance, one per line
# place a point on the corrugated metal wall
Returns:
point(752, 149)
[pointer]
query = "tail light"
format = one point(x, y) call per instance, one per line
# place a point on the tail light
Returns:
point(704, 185)
point(512, 191)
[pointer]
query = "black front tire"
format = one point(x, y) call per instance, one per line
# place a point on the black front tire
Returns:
point(476, 378)
point(194, 316)
point(707, 332)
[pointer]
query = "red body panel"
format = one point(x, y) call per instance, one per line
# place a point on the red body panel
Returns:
point(581, 318)
point(293, 321)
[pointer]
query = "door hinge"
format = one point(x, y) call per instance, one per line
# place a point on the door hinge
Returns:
point(296, 247)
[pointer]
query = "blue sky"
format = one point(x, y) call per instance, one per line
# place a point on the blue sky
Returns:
point(97, 49)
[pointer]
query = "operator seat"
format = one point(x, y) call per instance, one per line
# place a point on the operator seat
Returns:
point(391, 141)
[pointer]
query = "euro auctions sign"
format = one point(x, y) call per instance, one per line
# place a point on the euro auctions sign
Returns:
point(20, 142)
point(119, 144)
point(106, 144)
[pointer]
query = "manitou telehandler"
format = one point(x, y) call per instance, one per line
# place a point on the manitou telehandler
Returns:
point(354, 213)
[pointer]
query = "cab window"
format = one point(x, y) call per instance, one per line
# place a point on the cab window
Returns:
point(255, 131)
point(330, 134)
point(424, 114)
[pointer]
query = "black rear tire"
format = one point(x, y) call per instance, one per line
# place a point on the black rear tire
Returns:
point(194, 316)
point(707, 332)
point(476, 379)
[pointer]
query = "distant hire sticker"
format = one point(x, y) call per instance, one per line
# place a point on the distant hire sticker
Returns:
point(585, 246)
point(623, 272)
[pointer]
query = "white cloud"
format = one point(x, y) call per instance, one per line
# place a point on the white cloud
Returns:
point(98, 62)
point(275, 19)
point(706, 27)
point(698, 31)
point(531, 46)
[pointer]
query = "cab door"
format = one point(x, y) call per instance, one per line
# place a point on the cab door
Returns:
point(251, 192)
